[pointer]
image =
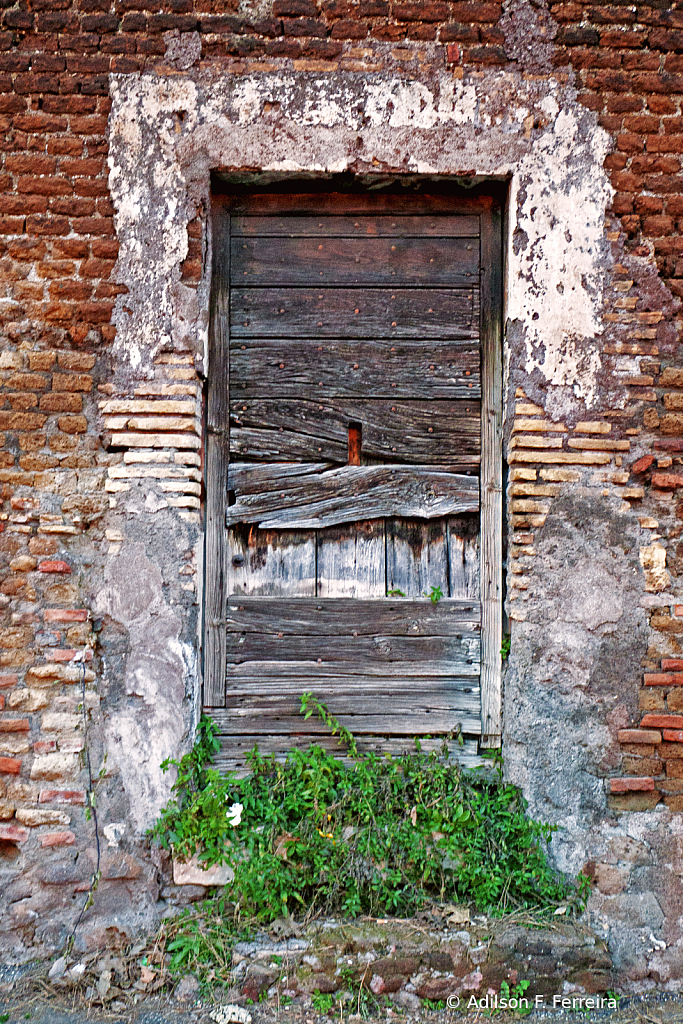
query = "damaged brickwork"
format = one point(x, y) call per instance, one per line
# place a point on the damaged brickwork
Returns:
point(113, 117)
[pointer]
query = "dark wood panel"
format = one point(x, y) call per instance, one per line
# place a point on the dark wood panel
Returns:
point(410, 196)
point(266, 368)
point(316, 499)
point(342, 617)
point(405, 723)
point(403, 430)
point(459, 653)
point(394, 226)
point(437, 262)
point(354, 313)
point(234, 749)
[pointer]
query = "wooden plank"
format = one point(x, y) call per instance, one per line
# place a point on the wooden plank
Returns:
point(377, 700)
point(394, 226)
point(269, 367)
point(415, 723)
point(366, 261)
point(351, 560)
point(417, 557)
point(311, 312)
point(492, 479)
point(271, 563)
point(385, 197)
point(400, 430)
point(232, 756)
point(347, 494)
point(399, 687)
point(308, 674)
point(340, 617)
point(217, 462)
point(458, 653)
point(463, 557)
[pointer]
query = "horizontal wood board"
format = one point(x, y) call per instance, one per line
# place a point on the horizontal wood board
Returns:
point(402, 430)
point(264, 367)
point(305, 312)
point(341, 617)
point(366, 261)
point(331, 225)
point(460, 653)
point(418, 721)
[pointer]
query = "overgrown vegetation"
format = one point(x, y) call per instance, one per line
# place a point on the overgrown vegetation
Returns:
point(379, 835)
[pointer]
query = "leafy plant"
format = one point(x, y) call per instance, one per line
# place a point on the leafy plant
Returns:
point(505, 647)
point(395, 593)
point(379, 835)
point(322, 1001)
point(517, 992)
point(435, 594)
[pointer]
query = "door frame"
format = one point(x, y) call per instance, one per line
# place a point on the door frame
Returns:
point(217, 449)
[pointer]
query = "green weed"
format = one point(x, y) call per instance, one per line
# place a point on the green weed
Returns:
point(382, 835)
point(322, 1001)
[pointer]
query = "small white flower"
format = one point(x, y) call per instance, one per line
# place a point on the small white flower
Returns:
point(234, 814)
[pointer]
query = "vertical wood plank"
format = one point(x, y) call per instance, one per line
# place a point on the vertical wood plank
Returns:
point(463, 558)
point(417, 556)
point(271, 563)
point(351, 560)
point(491, 475)
point(217, 459)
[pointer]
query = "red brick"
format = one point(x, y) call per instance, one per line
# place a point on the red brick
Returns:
point(57, 838)
point(76, 360)
point(631, 785)
point(65, 615)
point(44, 746)
point(62, 796)
point(56, 566)
point(71, 382)
point(8, 680)
point(673, 664)
point(15, 725)
point(663, 679)
point(73, 424)
point(65, 654)
point(673, 735)
point(667, 481)
point(639, 736)
point(662, 722)
point(674, 769)
point(642, 464)
point(9, 766)
point(12, 833)
point(61, 402)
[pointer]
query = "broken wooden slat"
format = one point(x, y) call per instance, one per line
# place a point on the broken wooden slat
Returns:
point(264, 368)
point(461, 653)
point(269, 563)
point(351, 561)
point(354, 313)
point(348, 494)
point(341, 617)
point(285, 261)
point(464, 558)
point(417, 557)
point(399, 430)
point(395, 226)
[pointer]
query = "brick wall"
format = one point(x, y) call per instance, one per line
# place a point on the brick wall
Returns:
point(72, 441)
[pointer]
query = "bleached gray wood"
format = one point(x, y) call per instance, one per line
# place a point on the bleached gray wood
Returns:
point(491, 479)
point(400, 430)
point(350, 225)
point(396, 313)
point(459, 654)
point(217, 463)
point(339, 617)
point(264, 367)
point(272, 563)
point(347, 494)
point(464, 558)
point(417, 557)
point(367, 260)
point(406, 722)
point(351, 560)
point(309, 671)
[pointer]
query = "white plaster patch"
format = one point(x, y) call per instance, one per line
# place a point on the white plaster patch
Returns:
point(165, 136)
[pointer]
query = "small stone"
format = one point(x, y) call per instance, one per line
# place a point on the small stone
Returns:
point(187, 988)
point(58, 969)
point(407, 1000)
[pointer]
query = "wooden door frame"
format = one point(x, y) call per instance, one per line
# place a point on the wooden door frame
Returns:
point(217, 454)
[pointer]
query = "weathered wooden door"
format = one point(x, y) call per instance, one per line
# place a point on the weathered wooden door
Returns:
point(348, 344)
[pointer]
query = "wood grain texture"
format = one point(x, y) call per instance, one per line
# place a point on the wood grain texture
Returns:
point(340, 617)
point(417, 556)
point(464, 568)
point(270, 367)
point(350, 226)
point(351, 561)
point(365, 261)
point(311, 312)
point(285, 719)
point(416, 198)
point(347, 494)
point(399, 431)
point(272, 563)
point(217, 463)
point(492, 479)
point(461, 653)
